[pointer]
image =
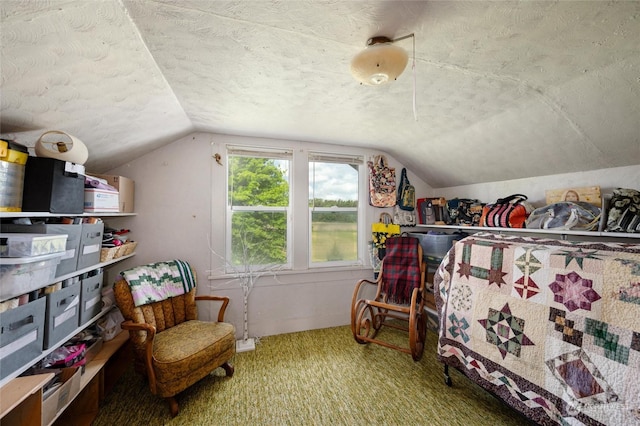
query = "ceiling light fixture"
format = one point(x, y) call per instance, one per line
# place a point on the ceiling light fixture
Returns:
point(380, 62)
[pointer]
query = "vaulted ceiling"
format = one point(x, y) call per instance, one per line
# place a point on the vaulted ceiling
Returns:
point(502, 90)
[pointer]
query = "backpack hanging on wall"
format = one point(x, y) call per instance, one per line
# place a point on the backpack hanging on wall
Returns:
point(382, 183)
point(406, 193)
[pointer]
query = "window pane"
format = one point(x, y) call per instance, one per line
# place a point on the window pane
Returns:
point(258, 203)
point(333, 184)
point(258, 181)
point(333, 204)
point(334, 236)
point(258, 238)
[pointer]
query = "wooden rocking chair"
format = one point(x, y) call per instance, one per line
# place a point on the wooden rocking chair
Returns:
point(399, 296)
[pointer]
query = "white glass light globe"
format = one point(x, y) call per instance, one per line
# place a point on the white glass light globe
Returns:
point(379, 64)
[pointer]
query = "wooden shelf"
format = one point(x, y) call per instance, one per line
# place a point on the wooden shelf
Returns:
point(108, 349)
point(21, 400)
point(91, 268)
point(552, 233)
point(21, 397)
point(92, 380)
point(15, 215)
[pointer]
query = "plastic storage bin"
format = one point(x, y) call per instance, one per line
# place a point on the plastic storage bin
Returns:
point(21, 336)
point(24, 274)
point(13, 158)
point(69, 260)
point(436, 245)
point(20, 245)
point(63, 311)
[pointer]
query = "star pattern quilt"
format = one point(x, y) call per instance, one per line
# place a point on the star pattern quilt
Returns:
point(550, 326)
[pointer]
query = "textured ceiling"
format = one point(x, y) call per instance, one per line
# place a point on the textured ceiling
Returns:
point(503, 90)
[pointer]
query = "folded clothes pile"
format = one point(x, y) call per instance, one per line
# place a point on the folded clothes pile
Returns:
point(114, 237)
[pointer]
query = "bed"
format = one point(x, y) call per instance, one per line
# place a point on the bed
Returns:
point(551, 327)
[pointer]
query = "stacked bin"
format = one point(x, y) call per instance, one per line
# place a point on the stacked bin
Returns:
point(13, 158)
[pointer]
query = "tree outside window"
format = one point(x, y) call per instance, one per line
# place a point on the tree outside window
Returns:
point(258, 200)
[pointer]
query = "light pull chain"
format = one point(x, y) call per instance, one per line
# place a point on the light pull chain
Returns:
point(415, 112)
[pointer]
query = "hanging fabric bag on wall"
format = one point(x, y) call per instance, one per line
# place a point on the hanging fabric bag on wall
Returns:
point(382, 183)
point(406, 193)
point(508, 212)
point(383, 229)
point(404, 217)
point(380, 231)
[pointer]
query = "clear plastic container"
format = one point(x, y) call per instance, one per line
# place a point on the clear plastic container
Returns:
point(22, 275)
point(436, 245)
point(20, 245)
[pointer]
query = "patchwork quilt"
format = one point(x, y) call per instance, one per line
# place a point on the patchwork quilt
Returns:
point(552, 327)
point(156, 282)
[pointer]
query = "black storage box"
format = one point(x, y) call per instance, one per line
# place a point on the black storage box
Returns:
point(49, 186)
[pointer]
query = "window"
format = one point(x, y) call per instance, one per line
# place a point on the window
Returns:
point(258, 206)
point(333, 209)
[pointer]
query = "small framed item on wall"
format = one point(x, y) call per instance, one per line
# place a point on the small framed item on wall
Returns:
point(589, 194)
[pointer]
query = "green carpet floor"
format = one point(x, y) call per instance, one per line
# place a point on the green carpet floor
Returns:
point(318, 377)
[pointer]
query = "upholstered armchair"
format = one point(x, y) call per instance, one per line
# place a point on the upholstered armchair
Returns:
point(172, 348)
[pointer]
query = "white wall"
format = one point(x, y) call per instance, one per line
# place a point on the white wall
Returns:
point(534, 188)
point(180, 206)
point(179, 200)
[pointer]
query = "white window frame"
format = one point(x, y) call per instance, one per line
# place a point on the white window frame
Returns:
point(354, 160)
point(259, 152)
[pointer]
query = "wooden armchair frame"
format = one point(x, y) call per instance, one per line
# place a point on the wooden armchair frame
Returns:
point(151, 334)
point(214, 348)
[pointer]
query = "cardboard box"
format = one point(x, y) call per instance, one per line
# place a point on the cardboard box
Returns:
point(126, 189)
point(93, 348)
point(54, 401)
point(100, 201)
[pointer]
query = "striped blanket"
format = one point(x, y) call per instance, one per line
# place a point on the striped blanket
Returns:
point(156, 282)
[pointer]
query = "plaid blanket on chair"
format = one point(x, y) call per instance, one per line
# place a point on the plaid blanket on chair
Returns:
point(401, 269)
point(159, 281)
